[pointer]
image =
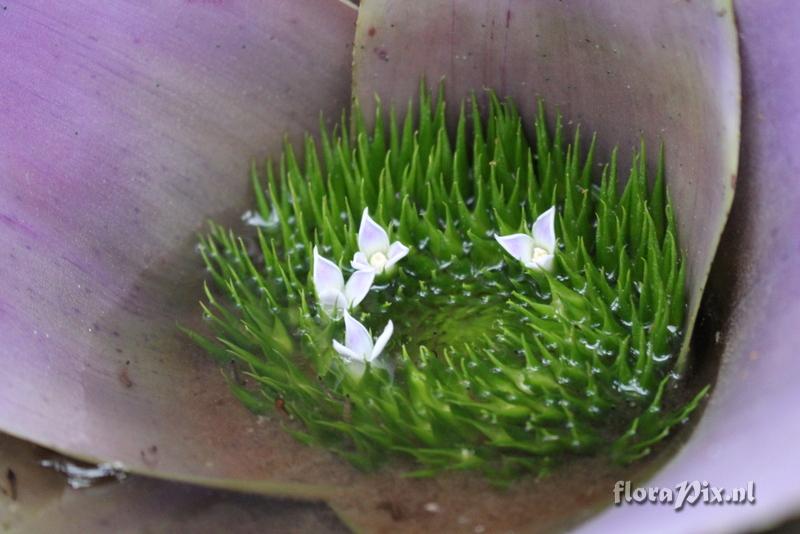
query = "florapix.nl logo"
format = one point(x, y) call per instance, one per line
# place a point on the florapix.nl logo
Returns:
point(688, 492)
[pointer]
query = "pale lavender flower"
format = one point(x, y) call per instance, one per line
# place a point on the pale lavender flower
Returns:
point(336, 297)
point(358, 343)
point(374, 251)
point(535, 251)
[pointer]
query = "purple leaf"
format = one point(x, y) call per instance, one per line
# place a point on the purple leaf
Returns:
point(126, 126)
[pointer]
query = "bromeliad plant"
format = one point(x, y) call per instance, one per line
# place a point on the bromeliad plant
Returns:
point(528, 310)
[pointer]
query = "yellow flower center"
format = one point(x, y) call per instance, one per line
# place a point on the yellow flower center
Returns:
point(539, 254)
point(378, 260)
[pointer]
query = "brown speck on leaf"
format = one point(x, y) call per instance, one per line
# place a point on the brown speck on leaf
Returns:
point(124, 379)
point(280, 405)
point(237, 376)
point(11, 480)
point(372, 31)
point(150, 455)
point(396, 511)
point(381, 53)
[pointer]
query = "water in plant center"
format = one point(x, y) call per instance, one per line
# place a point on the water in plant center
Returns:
point(466, 299)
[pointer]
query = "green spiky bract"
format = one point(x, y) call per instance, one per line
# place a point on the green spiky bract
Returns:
point(492, 366)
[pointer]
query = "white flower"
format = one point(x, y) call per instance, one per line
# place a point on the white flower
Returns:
point(535, 251)
point(358, 345)
point(334, 295)
point(374, 251)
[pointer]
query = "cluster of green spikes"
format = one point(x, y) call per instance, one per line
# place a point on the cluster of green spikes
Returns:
point(492, 367)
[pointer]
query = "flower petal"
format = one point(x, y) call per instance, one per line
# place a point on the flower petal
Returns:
point(358, 286)
point(544, 230)
point(346, 352)
point(372, 237)
point(518, 245)
point(356, 336)
point(327, 275)
point(382, 340)
point(544, 263)
point(360, 262)
point(397, 251)
point(333, 303)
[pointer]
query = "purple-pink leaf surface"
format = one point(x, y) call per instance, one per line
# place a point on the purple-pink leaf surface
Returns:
point(126, 125)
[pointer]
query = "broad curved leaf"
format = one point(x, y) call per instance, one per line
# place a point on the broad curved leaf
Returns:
point(657, 71)
point(36, 499)
point(125, 127)
point(754, 302)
